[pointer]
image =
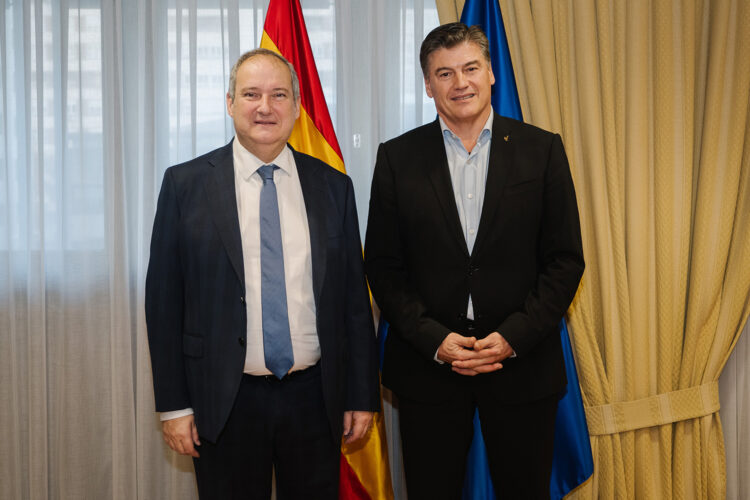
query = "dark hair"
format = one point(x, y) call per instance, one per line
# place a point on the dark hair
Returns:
point(448, 36)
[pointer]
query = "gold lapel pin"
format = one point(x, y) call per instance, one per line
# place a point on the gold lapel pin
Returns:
point(507, 138)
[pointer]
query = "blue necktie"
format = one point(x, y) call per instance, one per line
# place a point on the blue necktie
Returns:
point(277, 341)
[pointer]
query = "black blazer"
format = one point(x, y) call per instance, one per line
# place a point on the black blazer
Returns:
point(195, 304)
point(522, 274)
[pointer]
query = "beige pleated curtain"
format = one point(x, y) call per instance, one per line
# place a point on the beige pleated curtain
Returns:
point(651, 99)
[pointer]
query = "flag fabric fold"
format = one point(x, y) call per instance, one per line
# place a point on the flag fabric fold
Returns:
point(573, 462)
point(364, 469)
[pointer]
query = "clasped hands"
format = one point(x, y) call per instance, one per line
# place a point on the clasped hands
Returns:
point(469, 356)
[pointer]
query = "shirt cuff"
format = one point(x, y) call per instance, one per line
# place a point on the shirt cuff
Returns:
point(171, 415)
point(439, 361)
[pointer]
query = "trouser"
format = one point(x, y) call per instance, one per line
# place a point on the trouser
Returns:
point(276, 426)
point(436, 438)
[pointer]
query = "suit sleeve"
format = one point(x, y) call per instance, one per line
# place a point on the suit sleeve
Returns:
point(387, 272)
point(560, 257)
point(164, 303)
point(363, 383)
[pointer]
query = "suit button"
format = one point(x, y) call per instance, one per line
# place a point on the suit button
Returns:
point(241, 341)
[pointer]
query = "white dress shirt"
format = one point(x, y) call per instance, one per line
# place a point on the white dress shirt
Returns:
point(295, 237)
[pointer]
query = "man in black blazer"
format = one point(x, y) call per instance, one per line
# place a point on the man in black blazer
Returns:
point(473, 253)
point(208, 302)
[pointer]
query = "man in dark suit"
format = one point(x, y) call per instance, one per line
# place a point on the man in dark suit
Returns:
point(473, 253)
point(259, 321)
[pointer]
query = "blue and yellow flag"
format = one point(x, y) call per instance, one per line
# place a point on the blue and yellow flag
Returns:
point(573, 463)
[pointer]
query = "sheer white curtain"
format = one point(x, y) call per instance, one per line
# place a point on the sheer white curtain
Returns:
point(97, 99)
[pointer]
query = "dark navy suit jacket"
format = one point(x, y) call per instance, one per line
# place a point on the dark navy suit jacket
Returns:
point(195, 292)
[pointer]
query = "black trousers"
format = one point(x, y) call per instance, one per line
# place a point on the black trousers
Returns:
point(275, 425)
point(436, 438)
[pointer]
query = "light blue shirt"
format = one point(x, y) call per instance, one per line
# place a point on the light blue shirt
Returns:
point(468, 171)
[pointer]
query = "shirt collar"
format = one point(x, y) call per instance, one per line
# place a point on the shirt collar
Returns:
point(484, 135)
point(246, 163)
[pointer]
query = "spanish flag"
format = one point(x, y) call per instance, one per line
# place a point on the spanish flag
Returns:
point(365, 474)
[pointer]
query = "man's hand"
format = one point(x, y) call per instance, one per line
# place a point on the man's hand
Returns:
point(356, 425)
point(456, 347)
point(180, 434)
point(488, 354)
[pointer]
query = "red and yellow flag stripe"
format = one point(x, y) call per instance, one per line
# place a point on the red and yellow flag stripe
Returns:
point(284, 32)
point(365, 474)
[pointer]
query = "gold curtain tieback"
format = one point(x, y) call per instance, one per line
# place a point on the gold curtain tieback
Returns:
point(656, 410)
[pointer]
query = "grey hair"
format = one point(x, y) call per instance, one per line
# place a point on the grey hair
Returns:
point(262, 52)
point(448, 36)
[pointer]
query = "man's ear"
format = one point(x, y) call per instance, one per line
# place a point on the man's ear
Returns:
point(229, 105)
point(427, 87)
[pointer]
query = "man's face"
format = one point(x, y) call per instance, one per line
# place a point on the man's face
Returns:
point(264, 109)
point(460, 81)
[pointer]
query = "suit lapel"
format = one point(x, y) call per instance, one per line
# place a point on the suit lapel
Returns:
point(222, 201)
point(440, 176)
point(315, 193)
point(501, 154)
